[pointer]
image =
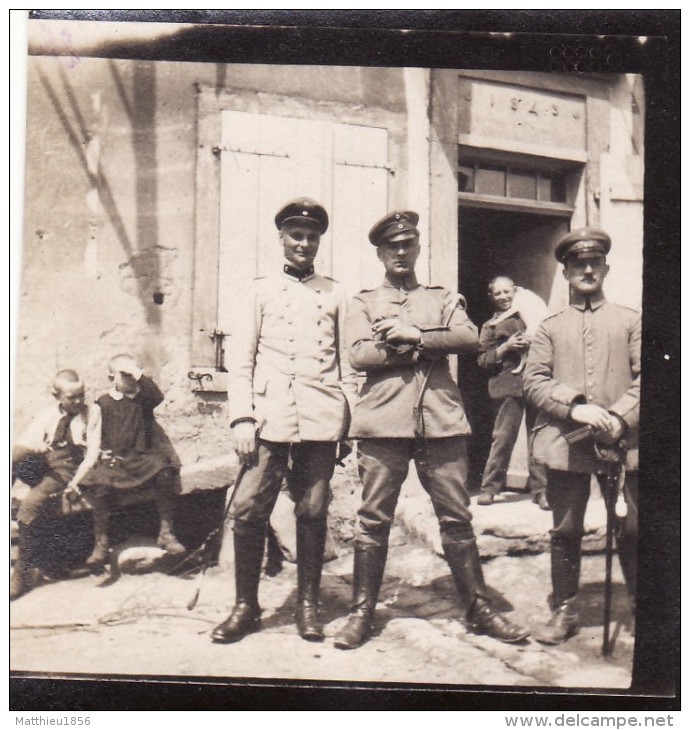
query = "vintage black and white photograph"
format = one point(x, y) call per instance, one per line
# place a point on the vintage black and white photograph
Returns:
point(329, 358)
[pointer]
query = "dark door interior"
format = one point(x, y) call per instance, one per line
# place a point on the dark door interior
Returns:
point(493, 243)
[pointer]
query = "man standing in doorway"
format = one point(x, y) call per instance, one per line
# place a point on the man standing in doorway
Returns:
point(503, 345)
point(400, 335)
point(286, 407)
point(583, 369)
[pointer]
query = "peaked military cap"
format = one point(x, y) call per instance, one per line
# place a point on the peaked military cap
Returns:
point(582, 241)
point(303, 209)
point(396, 226)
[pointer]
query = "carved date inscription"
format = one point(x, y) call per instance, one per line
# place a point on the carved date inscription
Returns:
point(504, 111)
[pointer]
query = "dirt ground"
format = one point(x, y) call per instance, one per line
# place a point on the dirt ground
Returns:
point(139, 624)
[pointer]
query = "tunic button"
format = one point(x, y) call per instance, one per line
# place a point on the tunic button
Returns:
point(589, 397)
point(292, 357)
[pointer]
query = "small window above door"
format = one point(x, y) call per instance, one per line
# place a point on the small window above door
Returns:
point(514, 183)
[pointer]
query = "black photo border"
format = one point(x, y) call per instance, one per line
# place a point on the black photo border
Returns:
point(491, 39)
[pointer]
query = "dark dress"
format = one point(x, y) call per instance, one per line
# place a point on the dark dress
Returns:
point(136, 447)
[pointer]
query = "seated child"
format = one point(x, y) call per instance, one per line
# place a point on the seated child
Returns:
point(135, 451)
point(54, 453)
point(503, 343)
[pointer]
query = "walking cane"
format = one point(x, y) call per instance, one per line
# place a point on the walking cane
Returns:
point(611, 485)
point(608, 479)
point(217, 533)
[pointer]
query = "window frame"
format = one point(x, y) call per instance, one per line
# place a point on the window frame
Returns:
point(475, 158)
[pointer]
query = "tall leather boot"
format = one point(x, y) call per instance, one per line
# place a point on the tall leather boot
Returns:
point(466, 569)
point(370, 562)
point(165, 502)
point(274, 555)
point(101, 544)
point(311, 540)
point(249, 540)
point(20, 582)
point(566, 557)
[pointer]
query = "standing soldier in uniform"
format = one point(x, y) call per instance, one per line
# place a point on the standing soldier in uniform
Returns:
point(583, 369)
point(400, 335)
point(286, 407)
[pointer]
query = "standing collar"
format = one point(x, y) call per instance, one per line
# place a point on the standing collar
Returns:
point(401, 282)
point(579, 301)
point(297, 274)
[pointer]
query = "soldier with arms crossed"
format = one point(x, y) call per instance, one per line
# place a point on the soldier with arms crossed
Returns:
point(400, 336)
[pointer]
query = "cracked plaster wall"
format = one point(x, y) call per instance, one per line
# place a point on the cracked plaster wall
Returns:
point(108, 249)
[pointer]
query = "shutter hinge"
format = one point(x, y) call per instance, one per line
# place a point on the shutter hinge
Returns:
point(217, 149)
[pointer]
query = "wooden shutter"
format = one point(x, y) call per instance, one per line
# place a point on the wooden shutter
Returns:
point(360, 186)
point(266, 161)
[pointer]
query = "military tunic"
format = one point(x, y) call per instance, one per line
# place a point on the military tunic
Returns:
point(392, 426)
point(583, 356)
point(286, 375)
point(386, 407)
point(284, 365)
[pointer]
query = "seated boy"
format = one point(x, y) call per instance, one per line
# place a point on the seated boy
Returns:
point(135, 451)
point(54, 453)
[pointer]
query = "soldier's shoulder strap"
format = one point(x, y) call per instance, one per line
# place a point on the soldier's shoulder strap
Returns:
point(458, 298)
point(625, 308)
point(553, 316)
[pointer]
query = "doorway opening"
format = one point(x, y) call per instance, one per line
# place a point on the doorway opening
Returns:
point(495, 242)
